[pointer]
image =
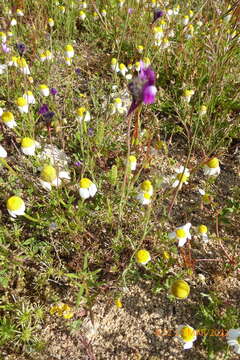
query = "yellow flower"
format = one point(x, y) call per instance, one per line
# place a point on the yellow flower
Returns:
point(142, 257)
point(180, 289)
point(69, 51)
point(147, 187)
point(8, 119)
point(118, 303)
point(48, 173)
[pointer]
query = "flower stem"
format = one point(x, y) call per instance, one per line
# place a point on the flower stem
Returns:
point(4, 162)
point(31, 218)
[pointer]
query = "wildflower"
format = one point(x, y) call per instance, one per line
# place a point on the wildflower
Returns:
point(104, 13)
point(23, 66)
point(181, 234)
point(21, 48)
point(203, 110)
point(132, 162)
point(147, 187)
point(82, 15)
point(182, 177)
point(19, 13)
point(158, 33)
point(118, 303)
point(87, 188)
point(13, 22)
point(49, 177)
point(3, 68)
point(185, 20)
point(62, 9)
point(53, 91)
point(69, 52)
point(180, 289)
point(51, 22)
point(95, 15)
point(8, 119)
point(166, 255)
point(3, 37)
point(212, 168)
point(202, 232)
point(114, 65)
point(83, 114)
point(68, 61)
point(62, 310)
point(142, 257)
point(140, 49)
point(187, 94)
point(157, 13)
point(143, 88)
point(47, 55)
point(121, 2)
point(137, 66)
point(22, 105)
point(28, 95)
point(190, 28)
point(5, 48)
point(118, 107)
point(206, 198)
point(190, 13)
point(3, 152)
point(123, 69)
point(9, 34)
point(176, 9)
point(44, 90)
point(233, 339)
point(165, 43)
point(144, 198)
point(13, 61)
point(28, 146)
point(43, 109)
point(15, 206)
point(187, 335)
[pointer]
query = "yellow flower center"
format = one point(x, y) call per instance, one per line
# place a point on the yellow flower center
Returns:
point(213, 163)
point(81, 111)
point(147, 196)
point(81, 13)
point(142, 256)
point(14, 203)
point(182, 178)
point(21, 102)
point(181, 233)
point(43, 87)
point(27, 142)
point(48, 53)
point(146, 61)
point(118, 303)
point(202, 229)
point(48, 173)
point(113, 61)
point(28, 93)
point(146, 185)
point(69, 48)
point(187, 333)
point(132, 159)
point(85, 183)
point(7, 116)
point(118, 101)
point(188, 93)
point(122, 67)
point(180, 289)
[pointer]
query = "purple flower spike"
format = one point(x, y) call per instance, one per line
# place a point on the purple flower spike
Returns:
point(157, 14)
point(43, 109)
point(143, 88)
point(53, 91)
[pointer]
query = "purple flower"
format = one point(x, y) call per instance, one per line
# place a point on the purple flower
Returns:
point(157, 14)
point(5, 49)
point(143, 88)
point(53, 91)
point(21, 48)
point(78, 163)
point(78, 71)
point(130, 11)
point(43, 109)
point(90, 132)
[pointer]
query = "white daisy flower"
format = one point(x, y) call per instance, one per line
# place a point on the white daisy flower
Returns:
point(49, 177)
point(83, 114)
point(22, 105)
point(144, 198)
point(233, 339)
point(182, 177)
point(51, 22)
point(23, 66)
point(132, 162)
point(15, 206)
point(8, 119)
point(3, 152)
point(181, 234)
point(87, 188)
point(3, 68)
point(187, 335)
point(13, 22)
point(28, 146)
point(82, 15)
point(28, 95)
point(123, 69)
point(187, 95)
point(114, 65)
point(212, 168)
point(69, 52)
point(202, 232)
point(44, 90)
point(19, 13)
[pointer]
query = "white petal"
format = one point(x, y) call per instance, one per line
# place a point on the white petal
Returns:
point(237, 349)
point(64, 175)
point(46, 185)
point(202, 192)
point(84, 193)
point(57, 182)
point(175, 184)
point(3, 152)
point(182, 242)
point(188, 345)
point(29, 150)
point(92, 190)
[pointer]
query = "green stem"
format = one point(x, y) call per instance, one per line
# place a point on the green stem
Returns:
point(4, 162)
point(31, 218)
